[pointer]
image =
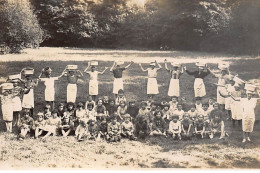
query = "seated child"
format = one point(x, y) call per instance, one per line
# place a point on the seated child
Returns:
point(149, 102)
point(114, 130)
point(193, 113)
point(185, 105)
point(132, 110)
point(199, 126)
point(217, 125)
point(67, 126)
point(112, 108)
point(205, 111)
point(71, 111)
point(166, 112)
point(100, 109)
point(211, 103)
point(127, 128)
point(91, 114)
point(26, 124)
point(106, 101)
point(61, 110)
point(215, 109)
point(141, 127)
point(90, 100)
point(47, 111)
point(158, 125)
point(102, 128)
point(198, 104)
point(121, 110)
point(179, 111)
point(53, 124)
point(82, 129)
point(92, 130)
point(39, 125)
point(120, 97)
point(175, 127)
point(186, 125)
point(173, 103)
point(79, 114)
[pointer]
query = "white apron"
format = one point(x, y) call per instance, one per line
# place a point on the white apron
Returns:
point(248, 115)
point(93, 87)
point(71, 93)
point(152, 86)
point(118, 84)
point(174, 88)
point(17, 104)
point(236, 110)
point(199, 88)
point(7, 108)
point(28, 100)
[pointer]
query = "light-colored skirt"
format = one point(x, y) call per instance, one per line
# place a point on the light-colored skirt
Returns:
point(174, 88)
point(118, 84)
point(152, 86)
point(199, 88)
point(248, 125)
point(49, 94)
point(236, 110)
point(28, 100)
point(17, 104)
point(228, 103)
point(7, 111)
point(71, 93)
point(220, 99)
point(93, 87)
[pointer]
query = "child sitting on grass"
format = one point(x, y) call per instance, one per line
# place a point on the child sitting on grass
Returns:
point(158, 125)
point(106, 101)
point(91, 114)
point(199, 126)
point(132, 110)
point(174, 127)
point(127, 128)
point(26, 124)
point(179, 111)
point(102, 128)
point(67, 126)
point(193, 113)
point(52, 124)
point(205, 111)
point(166, 112)
point(82, 129)
point(80, 113)
point(71, 111)
point(112, 108)
point(92, 130)
point(121, 110)
point(61, 110)
point(39, 125)
point(114, 130)
point(186, 125)
point(120, 97)
point(100, 109)
point(141, 127)
point(173, 103)
point(47, 111)
point(90, 100)
point(217, 125)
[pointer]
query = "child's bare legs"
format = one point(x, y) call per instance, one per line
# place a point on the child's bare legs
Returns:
point(16, 118)
point(8, 126)
point(222, 130)
point(244, 136)
point(38, 132)
point(48, 134)
point(23, 133)
point(64, 133)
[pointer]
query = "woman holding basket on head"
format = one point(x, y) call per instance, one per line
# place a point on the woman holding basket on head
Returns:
point(73, 74)
point(93, 82)
point(200, 74)
point(174, 87)
point(152, 86)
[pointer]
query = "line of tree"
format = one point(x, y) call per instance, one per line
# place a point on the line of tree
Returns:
point(202, 25)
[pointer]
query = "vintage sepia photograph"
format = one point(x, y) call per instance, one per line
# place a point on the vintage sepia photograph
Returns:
point(129, 84)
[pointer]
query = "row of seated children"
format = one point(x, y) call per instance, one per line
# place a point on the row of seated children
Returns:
point(147, 120)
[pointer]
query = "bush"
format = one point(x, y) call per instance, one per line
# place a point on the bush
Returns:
point(19, 26)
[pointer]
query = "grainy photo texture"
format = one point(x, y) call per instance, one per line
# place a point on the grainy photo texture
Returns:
point(129, 84)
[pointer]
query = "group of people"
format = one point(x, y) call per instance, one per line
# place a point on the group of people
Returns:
point(112, 118)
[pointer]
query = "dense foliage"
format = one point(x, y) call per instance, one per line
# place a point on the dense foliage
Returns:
point(203, 25)
point(19, 25)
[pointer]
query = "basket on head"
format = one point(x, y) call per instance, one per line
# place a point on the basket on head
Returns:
point(72, 67)
point(223, 66)
point(175, 64)
point(120, 63)
point(238, 80)
point(250, 87)
point(15, 77)
point(6, 86)
point(93, 63)
point(200, 64)
point(28, 71)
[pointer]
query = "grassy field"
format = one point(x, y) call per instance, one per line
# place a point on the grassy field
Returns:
point(59, 152)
